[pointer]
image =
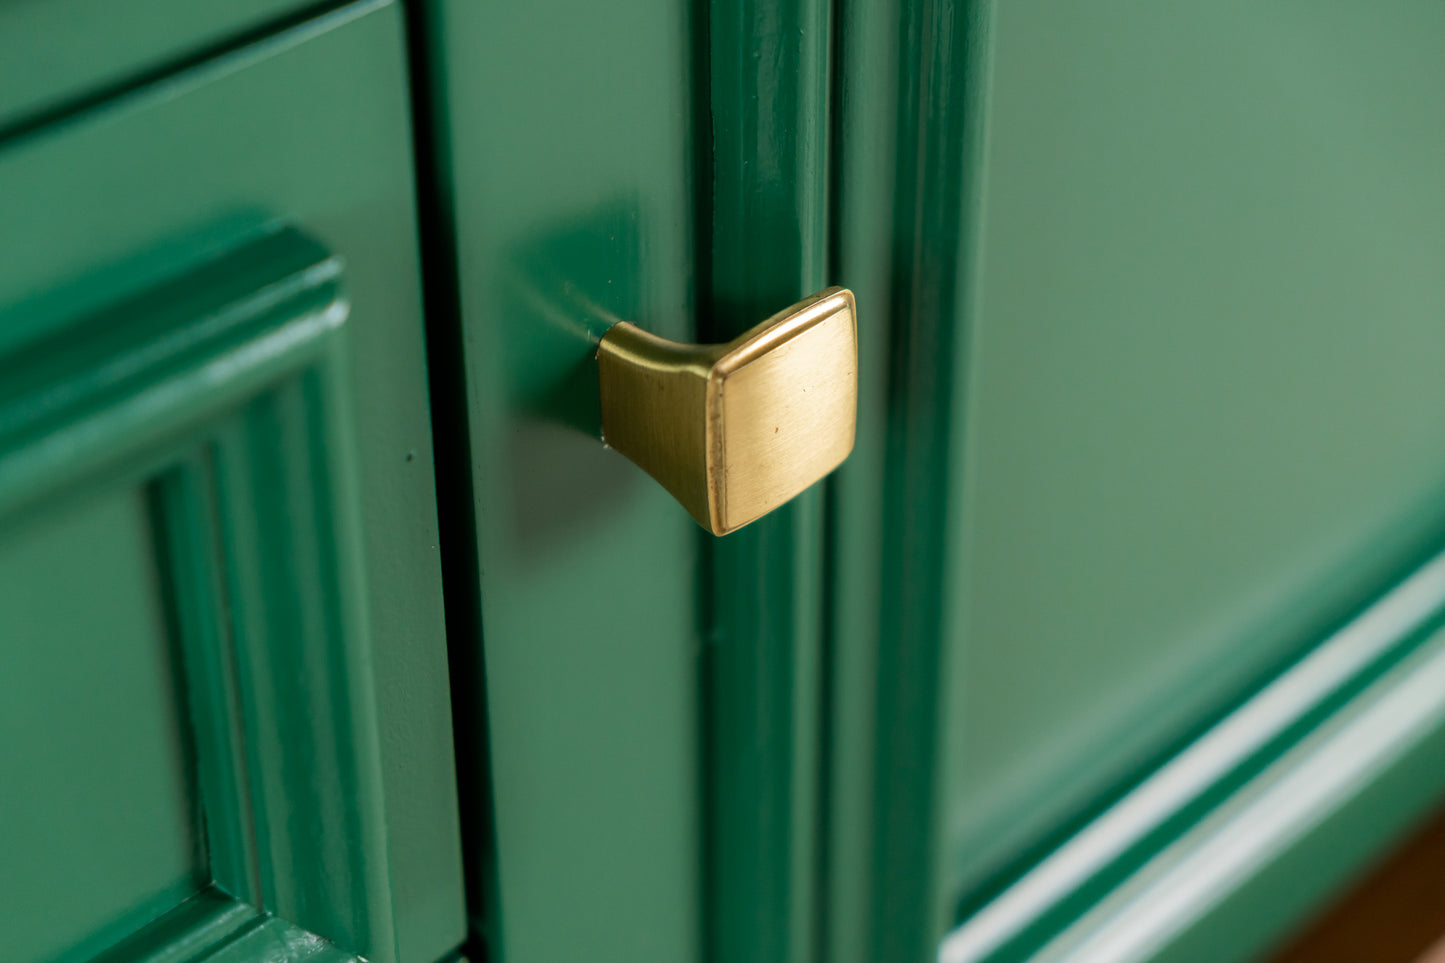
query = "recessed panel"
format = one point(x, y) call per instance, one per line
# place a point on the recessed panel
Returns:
point(98, 820)
point(309, 127)
point(1206, 408)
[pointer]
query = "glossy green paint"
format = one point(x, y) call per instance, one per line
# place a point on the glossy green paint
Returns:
point(219, 392)
point(1188, 855)
point(763, 160)
point(57, 52)
point(144, 391)
point(1076, 237)
point(177, 341)
point(1202, 403)
point(1115, 508)
point(1392, 787)
point(564, 202)
point(1322, 813)
point(125, 754)
point(239, 933)
point(582, 659)
point(865, 87)
point(908, 96)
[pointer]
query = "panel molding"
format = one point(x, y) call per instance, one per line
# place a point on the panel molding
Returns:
point(914, 102)
point(911, 112)
point(226, 393)
point(162, 362)
point(1321, 747)
point(763, 215)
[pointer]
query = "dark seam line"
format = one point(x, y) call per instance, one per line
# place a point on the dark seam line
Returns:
point(456, 515)
point(131, 83)
point(828, 628)
point(704, 189)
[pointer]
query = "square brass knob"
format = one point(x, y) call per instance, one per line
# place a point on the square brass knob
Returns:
point(737, 429)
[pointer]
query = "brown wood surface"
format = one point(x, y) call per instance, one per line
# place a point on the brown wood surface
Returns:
point(1395, 914)
point(1435, 954)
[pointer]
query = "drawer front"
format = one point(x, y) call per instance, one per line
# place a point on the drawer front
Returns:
point(57, 51)
point(224, 683)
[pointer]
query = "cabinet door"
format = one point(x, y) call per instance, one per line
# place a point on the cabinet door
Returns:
point(570, 190)
point(1166, 299)
point(648, 755)
point(223, 677)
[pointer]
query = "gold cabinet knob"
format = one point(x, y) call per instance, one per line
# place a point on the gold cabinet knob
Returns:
point(735, 430)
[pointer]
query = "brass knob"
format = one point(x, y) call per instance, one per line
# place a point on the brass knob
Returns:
point(735, 430)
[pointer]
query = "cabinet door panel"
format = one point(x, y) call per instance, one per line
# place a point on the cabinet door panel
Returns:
point(1159, 291)
point(1203, 407)
point(568, 170)
point(164, 323)
point(101, 821)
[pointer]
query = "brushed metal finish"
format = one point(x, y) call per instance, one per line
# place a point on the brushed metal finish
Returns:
point(737, 429)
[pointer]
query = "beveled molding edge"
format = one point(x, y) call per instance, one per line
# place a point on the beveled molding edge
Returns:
point(1378, 685)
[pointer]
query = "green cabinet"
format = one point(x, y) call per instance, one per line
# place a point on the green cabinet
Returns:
point(1202, 402)
point(568, 178)
point(1164, 351)
point(1202, 352)
point(1148, 319)
point(1117, 638)
point(140, 856)
point(63, 54)
point(225, 726)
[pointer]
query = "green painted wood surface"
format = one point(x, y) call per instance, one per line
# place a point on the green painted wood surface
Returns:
point(866, 85)
point(101, 826)
point(1283, 843)
point(762, 124)
point(1253, 822)
point(116, 200)
point(1202, 405)
point(1158, 296)
point(53, 52)
point(222, 392)
point(908, 90)
point(249, 515)
point(564, 200)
